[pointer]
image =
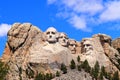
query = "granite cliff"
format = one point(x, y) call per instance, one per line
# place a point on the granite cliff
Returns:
point(28, 49)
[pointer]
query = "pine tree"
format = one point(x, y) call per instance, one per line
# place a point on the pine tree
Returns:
point(109, 76)
point(105, 74)
point(103, 70)
point(78, 59)
point(40, 76)
point(63, 68)
point(47, 76)
point(51, 76)
point(72, 65)
point(57, 74)
point(87, 68)
point(116, 76)
point(79, 67)
point(29, 72)
point(96, 68)
point(3, 70)
point(92, 73)
point(101, 76)
point(85, 65)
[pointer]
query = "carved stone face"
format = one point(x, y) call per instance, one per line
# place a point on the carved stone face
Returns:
point(87, 46)
point(78, 47)
point(51, 35)
point(63, 39)
point(72, 46)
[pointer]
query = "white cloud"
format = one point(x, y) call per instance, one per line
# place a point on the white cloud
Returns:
point(112, 12)
point(84, 6)
point(4, 29)
point(51, 1)
point(79, 23)
point(95, 12)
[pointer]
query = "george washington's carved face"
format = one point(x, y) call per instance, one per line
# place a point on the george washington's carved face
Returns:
point(51, 35)
point(63, 39)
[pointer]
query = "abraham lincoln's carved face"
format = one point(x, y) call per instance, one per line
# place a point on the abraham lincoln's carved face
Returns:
point(87, 46)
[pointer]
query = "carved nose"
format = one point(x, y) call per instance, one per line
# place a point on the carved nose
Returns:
point(64, 40)
point(50, 36)
point(85, 46)
point(74, 46)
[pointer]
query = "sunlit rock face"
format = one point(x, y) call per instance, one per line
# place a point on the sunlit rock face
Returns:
point(78, 47)
point(88, 47)
point(93, 50)
point(63, 39)
point(116, 44)
point(30, 49)
point(51, 35)
point(72, 46)
point(109, 51)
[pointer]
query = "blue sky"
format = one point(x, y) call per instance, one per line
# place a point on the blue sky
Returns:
point(77, 18)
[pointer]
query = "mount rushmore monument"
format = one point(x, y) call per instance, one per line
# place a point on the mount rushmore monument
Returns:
point(29, 48)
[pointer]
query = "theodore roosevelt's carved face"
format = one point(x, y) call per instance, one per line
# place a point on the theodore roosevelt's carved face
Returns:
point(63, 39)
point(51, 35)
point(72, 46)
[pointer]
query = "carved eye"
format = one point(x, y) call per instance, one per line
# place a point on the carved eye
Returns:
point(71, 44)
point(87, 44)
point(66, 37)
point(48, 33)
point(53, 32)
point(61, 36)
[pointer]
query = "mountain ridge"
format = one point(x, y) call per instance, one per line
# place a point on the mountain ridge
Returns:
point(28, 48)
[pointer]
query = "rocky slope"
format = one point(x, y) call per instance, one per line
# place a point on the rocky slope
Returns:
point(28, 49)
point(116, 44)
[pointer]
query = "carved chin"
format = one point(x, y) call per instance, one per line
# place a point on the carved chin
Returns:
point(63, 44)
point(51, 40)
point(73, 51)
point(88, 52)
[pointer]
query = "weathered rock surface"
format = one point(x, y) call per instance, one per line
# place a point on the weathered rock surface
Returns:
point(116, 43)
point(20, 39)
point(74, 75)
point(28, 50)
point(97, 54)
point(110, 52)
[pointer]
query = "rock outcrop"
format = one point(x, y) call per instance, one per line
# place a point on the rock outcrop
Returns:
point(20, 39)
point(110, 52)
point(26, 49)
point(116, 44)
point(29, 50)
